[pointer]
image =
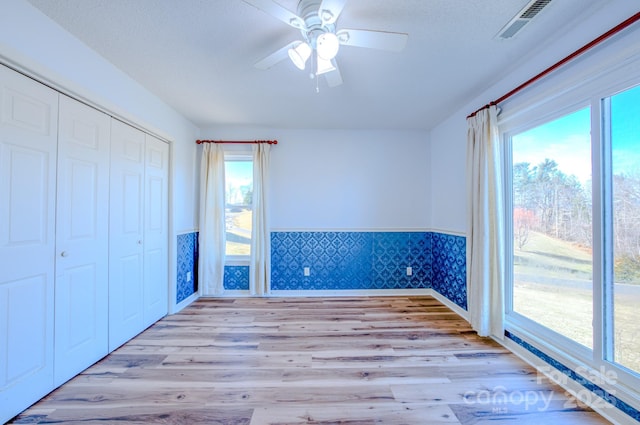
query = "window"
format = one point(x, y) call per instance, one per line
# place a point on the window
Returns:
point(238, 209)
point(573, 278)
point(552, 243)
point(572, 201)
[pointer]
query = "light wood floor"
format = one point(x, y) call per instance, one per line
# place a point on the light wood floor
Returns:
point(369, 360)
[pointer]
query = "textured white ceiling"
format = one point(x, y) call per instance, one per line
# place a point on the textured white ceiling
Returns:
point(198, 56)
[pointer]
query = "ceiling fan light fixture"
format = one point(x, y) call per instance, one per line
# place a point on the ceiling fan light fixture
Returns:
point(327, 45)
point(324, 66)
point(299, 54)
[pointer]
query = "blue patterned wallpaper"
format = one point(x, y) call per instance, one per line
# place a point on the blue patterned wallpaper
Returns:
point(347, 260)
point(236, 278)
point(393, 252)
point(187, 245)
point(449, 266)
point(350, 260)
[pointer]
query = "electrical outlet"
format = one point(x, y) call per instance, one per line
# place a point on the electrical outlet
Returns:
point(188, 276)
point(307, 271)
point(409, 271)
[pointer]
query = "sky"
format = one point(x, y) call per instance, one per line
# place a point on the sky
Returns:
point(625, 116)
point(238, 175)
point(240, 172)
point(567, 140)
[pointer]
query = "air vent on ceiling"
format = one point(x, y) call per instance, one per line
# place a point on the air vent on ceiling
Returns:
point(522, 18)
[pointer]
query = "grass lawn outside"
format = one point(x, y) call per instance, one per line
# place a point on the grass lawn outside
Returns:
point(553, 286)
point(238, 225)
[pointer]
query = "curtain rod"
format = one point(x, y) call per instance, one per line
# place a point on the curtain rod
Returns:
point(561, 62)
point(270, 142)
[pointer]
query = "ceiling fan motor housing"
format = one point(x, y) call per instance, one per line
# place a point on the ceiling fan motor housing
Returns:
point(313, 23)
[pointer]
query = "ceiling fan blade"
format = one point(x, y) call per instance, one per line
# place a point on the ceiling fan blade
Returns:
point(278, 12)
point(334, 78)
point(275, 57)
point(392, 41)
point(330, 10)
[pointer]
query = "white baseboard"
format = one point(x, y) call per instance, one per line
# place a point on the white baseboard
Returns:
point(343, 293)
point(324, 293)
point(453, 306)
point(233, 293)
point(349, 293)
point(182, 304)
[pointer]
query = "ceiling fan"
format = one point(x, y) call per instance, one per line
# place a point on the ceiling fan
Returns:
point(316, 20)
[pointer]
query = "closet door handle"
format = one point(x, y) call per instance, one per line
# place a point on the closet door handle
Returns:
point(139, 241)
point(63, 254)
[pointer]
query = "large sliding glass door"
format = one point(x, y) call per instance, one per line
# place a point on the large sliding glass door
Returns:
point(573, 192)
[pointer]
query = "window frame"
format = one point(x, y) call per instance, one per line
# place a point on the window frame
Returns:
point(589, 82)
point(236, 259)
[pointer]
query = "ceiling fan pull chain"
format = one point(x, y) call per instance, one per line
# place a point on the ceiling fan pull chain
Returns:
point(315, 74)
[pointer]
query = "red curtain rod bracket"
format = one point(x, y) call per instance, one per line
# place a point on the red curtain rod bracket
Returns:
point(561, 62)
point(269, 142)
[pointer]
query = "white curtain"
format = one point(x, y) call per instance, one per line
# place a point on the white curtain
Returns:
point(212, 238)
point(485, 244)
point(259, 269)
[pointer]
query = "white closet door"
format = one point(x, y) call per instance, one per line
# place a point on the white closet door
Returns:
point(28, 136)
point(156, 279)
point(82, 239)
point(126, 292)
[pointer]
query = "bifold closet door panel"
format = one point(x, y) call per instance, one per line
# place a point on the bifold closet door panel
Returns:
point(28, 143)
point(82, 239)
point(126, 210)
point(156, 272)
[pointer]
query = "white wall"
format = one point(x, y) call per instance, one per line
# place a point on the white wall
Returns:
point(448, 175)
point(344, 180)
point(448, 139)
point(33, 44)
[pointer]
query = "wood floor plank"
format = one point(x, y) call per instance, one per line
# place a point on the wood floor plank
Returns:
point(385, 414)
point(352, 360)
point(136, 415)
